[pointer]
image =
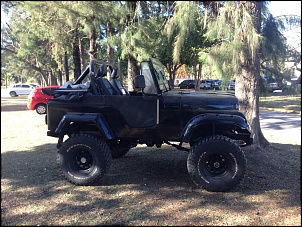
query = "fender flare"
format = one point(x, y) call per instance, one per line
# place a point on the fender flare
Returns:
point(89, 118)
point(211, 119)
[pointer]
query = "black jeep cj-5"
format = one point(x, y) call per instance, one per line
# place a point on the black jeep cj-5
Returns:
point(102, 120)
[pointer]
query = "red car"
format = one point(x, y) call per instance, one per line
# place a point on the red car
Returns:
point(37, 100)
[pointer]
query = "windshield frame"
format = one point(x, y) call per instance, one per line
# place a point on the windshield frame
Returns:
point(159, 77)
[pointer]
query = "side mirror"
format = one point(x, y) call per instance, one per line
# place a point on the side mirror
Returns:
point(139, 81)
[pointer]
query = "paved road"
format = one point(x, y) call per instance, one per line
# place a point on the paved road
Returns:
point(281, 127)
point(4, 93)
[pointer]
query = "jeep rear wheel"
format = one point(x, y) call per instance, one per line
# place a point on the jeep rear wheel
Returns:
point(84, 159)
point(216, 163)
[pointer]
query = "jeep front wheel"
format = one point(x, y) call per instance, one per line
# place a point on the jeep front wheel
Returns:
point(216, 163)
point(84, 159)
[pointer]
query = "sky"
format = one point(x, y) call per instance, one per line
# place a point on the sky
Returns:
point(278, 8)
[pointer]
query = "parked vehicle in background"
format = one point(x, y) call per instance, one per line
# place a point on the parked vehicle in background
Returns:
point(37, 100)
point(217, 84)
point(34, 85)
point(291, 88)
point(231, 85)
point(177, 81)
point(206, 84)
point(271, 84)
point(19, 89)
point(187, 84)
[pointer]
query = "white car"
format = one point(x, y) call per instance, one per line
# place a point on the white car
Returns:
point(19, 89)
point(206, 84)
point(231, 85)
point(34, 85)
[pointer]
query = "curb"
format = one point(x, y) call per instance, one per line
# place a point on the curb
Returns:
point(280, 110)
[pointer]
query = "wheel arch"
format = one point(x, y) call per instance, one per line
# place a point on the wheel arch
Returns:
point(39, 103)
point(211, 124)
point(92, 121)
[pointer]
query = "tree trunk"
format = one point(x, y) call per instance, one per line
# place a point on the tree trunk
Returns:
point(132, 72)
point(52, 80)
point(247, 91)
point(248, 84)
point(66, 68)
point(76, 62)
point(195, 72)
point(93, 49)
point(171, 76)
point(110, 51)
point(198, 76)
point(82, 56)
point(120, 73)
point(76, 56)
point(60, 77)
point(172, 73)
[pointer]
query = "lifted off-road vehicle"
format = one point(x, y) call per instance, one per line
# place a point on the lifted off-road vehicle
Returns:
point(96, 119)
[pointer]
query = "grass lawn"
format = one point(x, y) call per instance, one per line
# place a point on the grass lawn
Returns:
point(282, 103)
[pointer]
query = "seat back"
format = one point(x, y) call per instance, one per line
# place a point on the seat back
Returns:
point(104, 86)
point(117, 84)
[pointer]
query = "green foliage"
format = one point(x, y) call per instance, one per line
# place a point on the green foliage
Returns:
point(236, 39)
point(274, 45)
point(183, 22)
point(185, 32)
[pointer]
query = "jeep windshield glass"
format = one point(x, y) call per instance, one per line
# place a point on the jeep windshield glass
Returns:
point(160, 75)
point(149, 84)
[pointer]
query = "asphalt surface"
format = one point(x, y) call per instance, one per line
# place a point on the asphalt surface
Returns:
point(281, 127)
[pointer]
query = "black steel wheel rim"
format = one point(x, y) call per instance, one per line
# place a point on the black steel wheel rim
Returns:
point(83, 161)
point(216, 164)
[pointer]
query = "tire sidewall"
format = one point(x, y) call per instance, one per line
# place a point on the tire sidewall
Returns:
point(13, 94)
point(234, 161)
point(39, 106)
point(99, 152)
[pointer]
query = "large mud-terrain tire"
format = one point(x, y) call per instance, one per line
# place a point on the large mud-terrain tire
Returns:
point(216, 163)
point(84, 159)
